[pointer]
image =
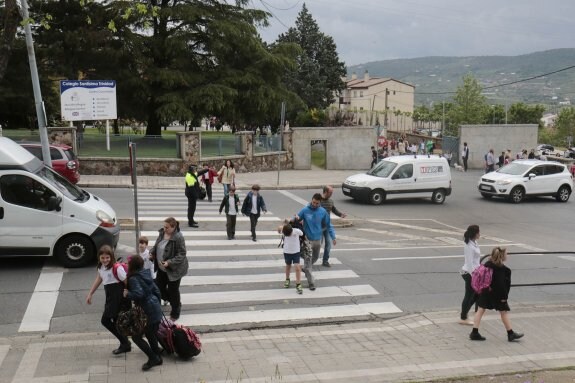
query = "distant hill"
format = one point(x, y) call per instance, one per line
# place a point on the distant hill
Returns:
point(444, 74)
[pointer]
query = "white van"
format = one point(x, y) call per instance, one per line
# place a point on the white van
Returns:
point(407, 176)
point(43, 214)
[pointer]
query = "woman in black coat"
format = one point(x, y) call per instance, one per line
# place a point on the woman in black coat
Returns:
point(495, 298)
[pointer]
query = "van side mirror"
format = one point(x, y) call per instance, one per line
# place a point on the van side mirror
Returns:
point(54, 203)
point(532, 175)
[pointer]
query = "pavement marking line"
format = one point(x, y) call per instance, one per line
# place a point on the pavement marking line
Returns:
point(295, 314)
point(201, 280)
point(294, 197)
point(196, 243)
point(275, 263)
point(42, 303)
point(276, 294)
point(430, 246)
point(440, 257)
point(394, 234)
point(213, 233)
point(567, 257)
point(209, 219)
point(234, 252)
point(3, 352)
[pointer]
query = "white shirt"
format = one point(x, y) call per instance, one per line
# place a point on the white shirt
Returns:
point(232, 205)
point(254, 204)
point(148, 263)
point(291, 243)
point(472, 256)
point(108, 275)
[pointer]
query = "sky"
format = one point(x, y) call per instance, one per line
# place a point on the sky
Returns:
point(373, 30)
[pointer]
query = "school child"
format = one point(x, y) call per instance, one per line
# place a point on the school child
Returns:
point(495, 298)
point(252, 207)
point(145, 254)
point(291, 243)
point(114, 289)
point(230, 205)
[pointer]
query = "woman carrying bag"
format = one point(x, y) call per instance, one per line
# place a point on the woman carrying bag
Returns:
point(227, 175)
point(144, 292)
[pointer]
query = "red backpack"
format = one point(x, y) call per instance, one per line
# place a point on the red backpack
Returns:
point(115, 269)
point(481, 279)
point(179, 339)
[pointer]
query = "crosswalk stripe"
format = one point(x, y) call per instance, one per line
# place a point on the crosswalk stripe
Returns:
point(295, 314)
point(201, 280)
point(234, 252)
point(275, 294)
point(199, 213)
point(225, 242)
point(209, 219)
point(214, 233)
point(195, 265)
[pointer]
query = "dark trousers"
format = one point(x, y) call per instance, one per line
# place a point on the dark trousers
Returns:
point(209, 191)
point(151, 347)
point(191, 209)
point(110, 324)
point(253, 223)
point(231, 225)
point(464, 163)
point(170, 290)
point(469, 298)
point(373, 162)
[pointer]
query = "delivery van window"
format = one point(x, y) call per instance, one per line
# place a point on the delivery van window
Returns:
point(24, 191)
point(405, 171)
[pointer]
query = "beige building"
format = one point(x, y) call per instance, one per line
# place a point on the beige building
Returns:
point(365, 99)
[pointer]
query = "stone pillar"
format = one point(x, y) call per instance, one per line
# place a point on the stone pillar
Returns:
point(190, 147)
point(247, 144)
point(63, 135)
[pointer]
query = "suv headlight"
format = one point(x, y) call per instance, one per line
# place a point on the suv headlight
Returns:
point(504, 182)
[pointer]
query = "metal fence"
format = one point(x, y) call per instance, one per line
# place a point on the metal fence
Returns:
point(220, 145)
point(267, 143)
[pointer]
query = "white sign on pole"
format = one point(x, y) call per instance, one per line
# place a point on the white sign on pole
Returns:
point(85, 100)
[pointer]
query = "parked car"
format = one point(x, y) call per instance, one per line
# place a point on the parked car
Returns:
point(523, 178)
point(64, 160)
point(569, 153)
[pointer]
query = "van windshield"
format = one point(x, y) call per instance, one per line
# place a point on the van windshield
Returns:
point(62, 184)
point(382, 169)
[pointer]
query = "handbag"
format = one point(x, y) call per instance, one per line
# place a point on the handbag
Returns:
point(220, 177)
point(132, 322)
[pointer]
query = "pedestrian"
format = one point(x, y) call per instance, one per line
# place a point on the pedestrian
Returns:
point(230, 204)
point(171, 263)
point(490, 161)
point(208, 180)
point(252, 206)
point(501, 160)
point(228, 175)
point(373, 157)
point(328, 205)
point(495, 298)
point(472, 256)
point(401, 147)
point(315, 218)
point(143, 291)
point(145, 254)
point(193, 192)
point(292, 254)
point(465, 156)
point(448, 156)
point(531, 155)
point(113, 288)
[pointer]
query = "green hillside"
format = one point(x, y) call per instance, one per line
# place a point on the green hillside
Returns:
point(443, 74)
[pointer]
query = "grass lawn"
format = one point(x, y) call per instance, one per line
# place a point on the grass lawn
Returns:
point(318, 158)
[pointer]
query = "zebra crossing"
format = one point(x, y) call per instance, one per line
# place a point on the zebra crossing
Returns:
point(240, 283)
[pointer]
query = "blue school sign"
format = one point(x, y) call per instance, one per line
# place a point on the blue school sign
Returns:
point(85, 100)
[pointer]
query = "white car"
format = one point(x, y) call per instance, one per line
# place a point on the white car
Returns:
point(523, 178)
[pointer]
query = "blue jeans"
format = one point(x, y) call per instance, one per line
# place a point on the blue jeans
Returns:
point(327, 245)
point(226, 188)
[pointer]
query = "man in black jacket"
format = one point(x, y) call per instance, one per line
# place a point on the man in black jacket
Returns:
point(193, 192)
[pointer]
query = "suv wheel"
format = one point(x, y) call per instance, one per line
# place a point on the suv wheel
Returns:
point(517, 194)
point(563, 194)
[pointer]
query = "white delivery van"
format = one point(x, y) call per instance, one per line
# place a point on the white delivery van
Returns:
point(43, 214)
point(408, 176)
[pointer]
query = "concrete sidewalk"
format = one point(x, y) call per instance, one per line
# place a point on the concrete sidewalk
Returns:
point(288, 179)
point(412, 348)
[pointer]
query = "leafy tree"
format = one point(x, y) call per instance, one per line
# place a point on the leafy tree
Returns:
point(565, 124)
point(521, 113)
point(9, 18)
point(318, 75)
point(469, 105)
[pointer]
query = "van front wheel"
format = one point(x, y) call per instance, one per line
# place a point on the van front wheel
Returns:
point(75, 251)
point(438, 196)
point(377, 197)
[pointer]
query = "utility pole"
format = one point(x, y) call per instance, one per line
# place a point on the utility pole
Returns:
point(282, 122)
point(385, 116)
point(40, 111)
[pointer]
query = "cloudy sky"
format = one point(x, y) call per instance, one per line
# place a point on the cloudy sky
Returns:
point(371, 30)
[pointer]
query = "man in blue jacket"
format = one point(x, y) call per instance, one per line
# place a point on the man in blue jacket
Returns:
point(315, 219)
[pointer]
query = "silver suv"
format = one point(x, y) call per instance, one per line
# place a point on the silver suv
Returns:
point(523, 178)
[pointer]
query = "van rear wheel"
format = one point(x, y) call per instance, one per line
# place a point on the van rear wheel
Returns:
point(377, 197)
point(75, 251)
point(438, 196)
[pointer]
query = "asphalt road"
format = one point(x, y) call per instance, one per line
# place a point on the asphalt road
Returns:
point(410, 251)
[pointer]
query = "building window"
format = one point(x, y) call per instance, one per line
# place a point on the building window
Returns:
point(361, 93)
point(394, 92)
point(355, 93)
point(361, 108)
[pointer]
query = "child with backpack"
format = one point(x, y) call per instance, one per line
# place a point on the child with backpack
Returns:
point(472, 256)
point(291, 244)
point(230, 204)
point(495, 297)
point(145, 254)
point(114, 288)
